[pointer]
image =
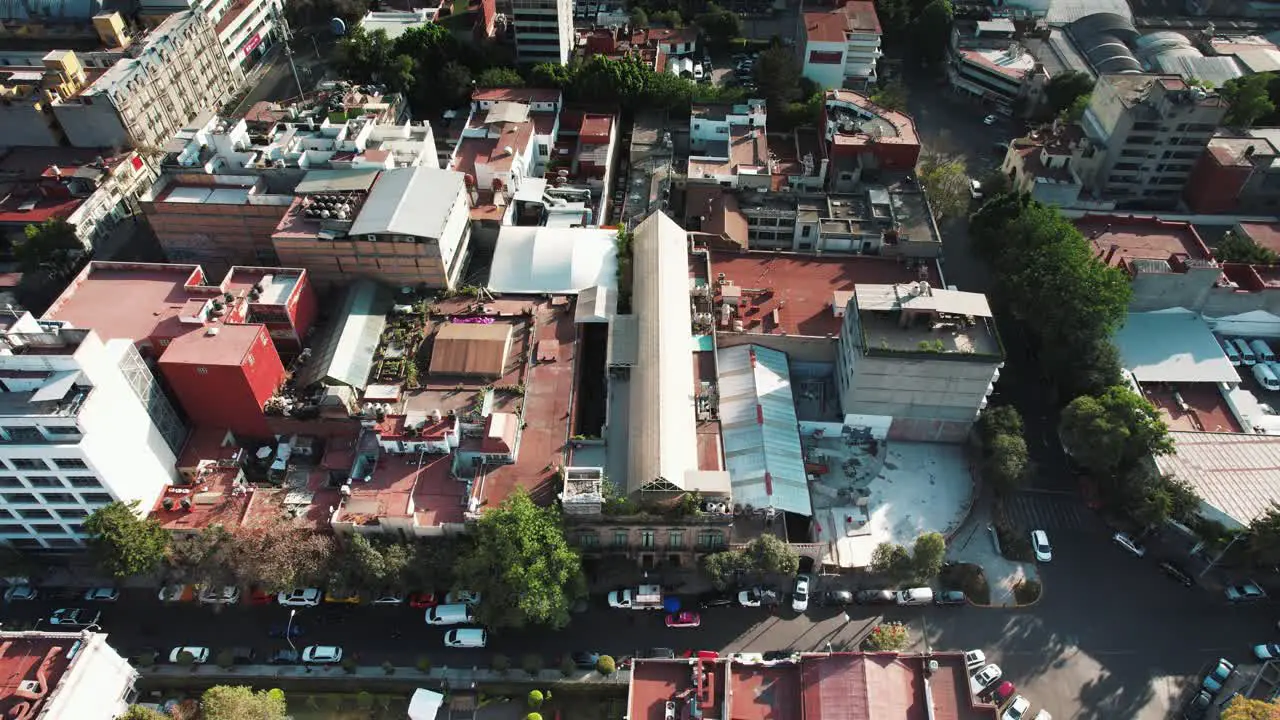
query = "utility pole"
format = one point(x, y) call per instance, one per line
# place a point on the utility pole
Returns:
point(286, 36)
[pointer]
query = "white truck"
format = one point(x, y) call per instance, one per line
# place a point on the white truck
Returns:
point(645, 597)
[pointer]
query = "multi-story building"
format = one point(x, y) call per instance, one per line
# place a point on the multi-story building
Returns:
point(213, 343)
point(729, 147)
point(1149, 130)
point(245, 29)
point(403, 227)
point(987, 62)
point(919, 358)
point(84, 423)
point(141, 101)
point(865, 141)
point(841, 46)
point(543, 30)
point(1237, 174)
point(1043, 165)
point(64, 675)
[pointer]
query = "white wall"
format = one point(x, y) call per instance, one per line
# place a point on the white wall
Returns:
point(827, 75)
point(95, 686)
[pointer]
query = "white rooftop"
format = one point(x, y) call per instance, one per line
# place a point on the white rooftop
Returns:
point(536, 260)
point(1236, 474)
point(395, 22)
point(1175, 346)
point(409, 201)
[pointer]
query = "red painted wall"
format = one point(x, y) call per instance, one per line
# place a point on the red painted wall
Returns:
point(303, 306)
point(1212, 188)
point(229, 396)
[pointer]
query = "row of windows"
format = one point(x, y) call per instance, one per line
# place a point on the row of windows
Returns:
point(675, 539)
point(49, 481)
point(42, 464)
point(44, 514)
point(55, 498)
point(55, 543)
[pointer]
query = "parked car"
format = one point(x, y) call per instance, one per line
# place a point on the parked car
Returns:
point(300, 597)
point(390, 598)
point(701, 654)
point(800, 593)
point(1198, 707)
point(1176, 572)
point(466, 597)
point(286, 630)
point(199, 655)
point(1217, 677)
point(950, 597)
point(423, 600)
point(74, 617)
point(1245, 592)
point(20, 592)
point(1040, 544)
point(716, 599)
point(243, 655)
point(102, 594)
point(758, 596)
point(284, 656)
point(876, 597)
point(974, 659)
point(837, 598)
point(220, 595)
point(684, 619)
point(1002, 693)
point(178, 592)
point(985, 678)
point(1017, 709)
point(990, 120)
point(1129, 544)
point(975, 189)
point(322, 654)
point(658, 654)
point(258, 596)
point(584, 660)
point(1266, 652)
point(342, 598)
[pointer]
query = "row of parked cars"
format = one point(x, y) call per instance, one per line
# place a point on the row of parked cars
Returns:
point(987, 683)
point(768, 595)
point(1257, 355)
point(310, 655)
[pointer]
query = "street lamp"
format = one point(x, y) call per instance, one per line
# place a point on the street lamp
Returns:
point(288, 629)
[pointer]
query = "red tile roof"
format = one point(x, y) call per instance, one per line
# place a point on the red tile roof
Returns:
point(1137, 238)
point(831, 26)
point(1266, 235)
point(32, 656)
point(525, 95)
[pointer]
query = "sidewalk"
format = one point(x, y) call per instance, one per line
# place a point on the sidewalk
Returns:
point(329, 674)
point(974, 544)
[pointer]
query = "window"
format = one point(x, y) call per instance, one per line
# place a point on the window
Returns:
point(9, 481)
point(43, 481)
point(14, 498)
point(825, 57)
point(620, 538)
point(202, 370)
point(84, 481)
point(804, 231)
point(35, 514)
point(647, 538)
point(710, 539)
point(28, 464)
point(62, 430)
point(588, 539)
point(97, 498)
point(676, 539)
point(70, 464)
point(73, 514)
point(12, 527)
point(30, 543)
point(59, 498)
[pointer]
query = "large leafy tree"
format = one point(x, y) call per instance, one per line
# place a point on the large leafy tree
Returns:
point(1111, 432)
point(777, 75)
point(927, 555)
point(768, 554)
point(205, 557)
point(280, 555)
point(718, 25)
point(1243, 708)
point(138, 712)
point(124, 544)
point(725, 568)
point(51, 246)
point(523, 565)
point(1234, 248)
point(499, 77)
point(1248, 99)
point(1064, 89)
point(1006, 465)
point(1263, 540)
point(239, 702)
point(891, 95)
point(946, 183)
point(933, 27)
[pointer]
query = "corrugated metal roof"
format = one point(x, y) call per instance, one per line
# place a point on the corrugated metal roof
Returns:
point(623, 336)
point(345, 357)
point(538, 260)
point(471, 349)
point(919, 296)
point(759, 429)
point(1172, 347)
point(414, 201)
point(319, 181)
point(663, 432)
point(1236, 473)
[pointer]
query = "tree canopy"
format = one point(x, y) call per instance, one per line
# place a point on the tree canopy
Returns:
point(1249, 99)
point(1111, 432)
point(777, 74)
point(138, 712)
point(1064, 89)
point(891, 95)
point(523, 565)
point(933, 31)
point(1263, 539)
point(280, 555)
point(629, 83)
point(917, 26)
point(946, 184)
point(124, 544)
point(51, 246)
point(764, 555)
point(718, 25)
point(1243, 708)
point(239, 702)
point(1234, 248)
point(499, 77)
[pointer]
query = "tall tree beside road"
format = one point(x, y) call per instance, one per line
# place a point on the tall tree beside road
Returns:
point(204, 558)
point(946, 183)
point(769, 554)
point(726, 567)
point(138, 712)
point(891, 95)
point(933, 31)
point(523, 566)
point(51, 246)
point(124, 544)
point(1243, 708)
point(499, 77)
point(777, 75)
point(1006, 464)
point(1263, 539)
point(1064, 89)
point(1248, 100)
point(1109, 434)
point(240, 702)
point(280, 555)
point(718, 25)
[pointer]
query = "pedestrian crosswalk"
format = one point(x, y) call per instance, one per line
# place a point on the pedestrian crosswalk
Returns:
point(1048, 511)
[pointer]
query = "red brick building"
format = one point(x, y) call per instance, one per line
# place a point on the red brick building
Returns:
point(865, 140)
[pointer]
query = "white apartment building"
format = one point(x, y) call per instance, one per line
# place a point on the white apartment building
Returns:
point(65, 675)
point(987, 62)
point(141, 101)
point(82, 424)
point(543, 30)
point(246, 29)
point(841, 46)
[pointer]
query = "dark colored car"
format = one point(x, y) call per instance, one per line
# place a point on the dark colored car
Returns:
point(837, 598)
point(774, 655)
point(658, 654)
point(423, 600)
point(585, 660)
point(1198, 707)
point(284, 656)
point(876, 597)
point(278, 630)
point(950, 597)
point(716, 599)
point(1176, 572)
point(243, 655)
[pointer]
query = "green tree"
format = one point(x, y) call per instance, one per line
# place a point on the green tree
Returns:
point(667, 18)
point(639, 18)
point(1110, 433)
point(946, 185)
point(1262, 543)
point(718, 25)
point(204, 558)
point(1234, 248)
point(400, 74)
point(928, 554)
point(1152, 498)
point(724, 568)
point(887, 637)
point(1076, 109)
point(499, 77)
point(1248, 100)
point(933, 28)
point(1064, 89)
point(280, 555)
point(364, 56)
point(777, 74)
point(51, 246)
point(999, 420)
point(138, 712)
point(768, 554)
point(1006, 465)
point(124, 544)
point(1244, 708)
point(523, 565)
point(891, 559)
point(552, 75)
point(891, 95)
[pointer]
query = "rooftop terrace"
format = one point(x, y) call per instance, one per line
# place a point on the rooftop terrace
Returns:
point(38, 657)
point(1117, 240)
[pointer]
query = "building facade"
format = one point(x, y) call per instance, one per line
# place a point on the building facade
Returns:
point(246, 29)
point(842, 46)
point(986, 62)
point(1236, 175)
point(64, 675)
point(543, 30)
point(84, 424)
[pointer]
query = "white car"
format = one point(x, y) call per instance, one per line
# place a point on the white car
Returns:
point(322, 654)
point(800, 594)
point(975, 189)
point(389, 599)
point(300, 597)
point(989, 120)
point(199, 655)
point(985, 678)
point(224, 595)
point(974, 659)
point(1017, 708)
point(102, 594)
point(1040, 544)
point(74, 617)
point(1128, 543)
point(20, 592)
point(1266, 652)
point(465, 597)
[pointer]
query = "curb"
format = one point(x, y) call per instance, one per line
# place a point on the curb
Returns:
point(993, 606)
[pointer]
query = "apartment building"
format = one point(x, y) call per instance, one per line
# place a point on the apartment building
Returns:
point(728, 145)
point(543, 30)
point(1149, 130)
point(83, 423)
point(865, 141)
point(986, 61)
point(1044, 165)
point(245, 29)
point(1237, 174)
point(178, 73)
point(841, 46)
point(64, 675)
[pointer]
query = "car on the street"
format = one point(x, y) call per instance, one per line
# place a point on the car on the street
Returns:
point(423, 600)
point(177, 592)
point(220, 595)
point(716, 599)
point(1245, 592)
point(1217, 677)
point(199, 655)
point(974, 659)
point(74, 617)
point(338, 597)
point(299, 597)
point(258, 596)
point(1267, 652)
point(322, 654)
point(950, 597)
point(1017, 709)
point(876, 597)
point(1040, 544)
point(390, 598)
point(758, 596)
point(990, 120)
point(800, 593)
point(701, 654)
point(20, 592)
point(1198, 707)
point(102, 594)
point(465, 597)
point(1177, 572)
point(1128, 543)
point(1002, 693)
point(286, 630)
point(684, 619)
point(242, 655)
point(658, 653)
point(584, 659)
point(985, 678)
point(836, 598)
point(284, 656)
point(975, 189)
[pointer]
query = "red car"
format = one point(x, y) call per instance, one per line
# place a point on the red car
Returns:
point(701, 654)
point(422, 600)
point(260, 597)
point(684, 619)
point(1002, 693)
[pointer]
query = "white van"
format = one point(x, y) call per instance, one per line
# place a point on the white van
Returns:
point(457, 614)
point(1233, 354)
point(1246, 353)
point(1265, 377)
point(466, 638)
point(916, 596)
point(1262, 350)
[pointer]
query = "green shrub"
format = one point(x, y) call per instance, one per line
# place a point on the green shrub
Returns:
point(567, 666)
point(388, 668)
point(501, 663)
point(531, 663)
point(225, 659)
point(887, 637)
point(535, 699)
point(533, 716)
point(1027, 591)
point(605, 665)
point(349, 664)
point(364, 700)
point(424, 664)
point(186, 659)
